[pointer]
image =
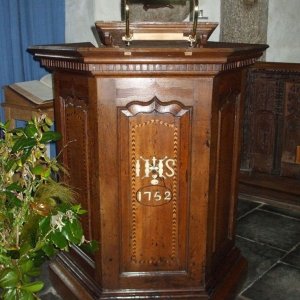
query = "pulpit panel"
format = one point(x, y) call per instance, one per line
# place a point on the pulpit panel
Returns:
point(228, 134)
point(154, 150)
point(73, 99)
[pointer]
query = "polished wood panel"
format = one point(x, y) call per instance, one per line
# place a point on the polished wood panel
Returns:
point(73, 107)
point(151, 138)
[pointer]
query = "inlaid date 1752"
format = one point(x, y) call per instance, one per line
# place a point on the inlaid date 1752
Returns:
point(157, 170)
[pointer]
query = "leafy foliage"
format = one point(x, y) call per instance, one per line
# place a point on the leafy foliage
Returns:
point(37, 214)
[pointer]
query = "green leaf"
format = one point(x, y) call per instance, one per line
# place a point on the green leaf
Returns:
point(14, 187)
point(76, 229)
point(35, 272)
point(30, 130)
point(26, 245)
point(45, 226)
point(8, 278)
point(26, 266)
point(6, 125)
point(49, 250)
point(50, 136)
point(59, 240)
point(13, 201)
point(38, 258)
point(78, 210)
point(90, 247)
point(33, 287)
point(26, 295)
point(66, 231)
point(4, 259)
point(46, 172)
point(23, 143)
point(26, 154)
point(26, 278)
point(73, 232)
point(38, 170)
point(29, 232)
point(9, 294)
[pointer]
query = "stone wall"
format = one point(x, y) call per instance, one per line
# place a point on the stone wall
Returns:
point(244, 21)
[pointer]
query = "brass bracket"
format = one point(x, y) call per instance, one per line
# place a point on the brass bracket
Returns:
point(128, 38)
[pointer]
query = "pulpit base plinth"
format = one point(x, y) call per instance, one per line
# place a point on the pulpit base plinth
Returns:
point(71, 283)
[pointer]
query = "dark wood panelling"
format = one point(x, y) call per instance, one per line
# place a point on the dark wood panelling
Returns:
point(291, 130)
point(271, 126)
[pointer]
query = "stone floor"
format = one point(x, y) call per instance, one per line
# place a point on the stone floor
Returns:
point(269, 238)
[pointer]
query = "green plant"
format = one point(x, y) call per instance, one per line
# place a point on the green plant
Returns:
point(37, 214)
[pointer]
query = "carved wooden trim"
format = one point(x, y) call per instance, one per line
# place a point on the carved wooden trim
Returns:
point(153, 105)
point(146, 67)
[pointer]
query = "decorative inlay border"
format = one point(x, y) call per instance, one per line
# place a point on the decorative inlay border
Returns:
point(146, 68)
point(133, 193)
point(174, 202)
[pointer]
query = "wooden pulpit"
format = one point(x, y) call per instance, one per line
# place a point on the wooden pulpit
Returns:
point(151, 136)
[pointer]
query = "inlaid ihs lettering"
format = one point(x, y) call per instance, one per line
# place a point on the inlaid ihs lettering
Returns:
point(155, 168)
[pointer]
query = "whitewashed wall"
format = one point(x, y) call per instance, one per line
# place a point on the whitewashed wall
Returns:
point(82, 14)
point(107, 10)
point(212, 10)
point(79, 20)
point(284, 31)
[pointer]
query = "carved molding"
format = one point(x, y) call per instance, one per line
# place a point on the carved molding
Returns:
point(154, 105)
point(146, 67)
